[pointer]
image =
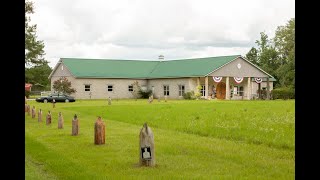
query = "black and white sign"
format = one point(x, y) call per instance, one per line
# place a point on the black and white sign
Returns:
point(146, 152)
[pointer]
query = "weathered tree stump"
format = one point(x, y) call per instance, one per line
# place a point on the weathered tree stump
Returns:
point(109, 101)
point(60, 121)
point(40, 115)
point(28, 110)
point(146, 147)
point(99, 132)
point(48, 118)
point(75, 126)
point(33, 112)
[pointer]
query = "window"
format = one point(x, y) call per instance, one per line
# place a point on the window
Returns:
point(110, 88)
point(181, 90)
point(86, 87)
point(166, 90)
point(130, 88)
point(238, 90)
point(203, 90)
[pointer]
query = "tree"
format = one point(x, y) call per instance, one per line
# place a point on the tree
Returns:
point(33, 48)
point(277, 55)
point(252, 56)
point(63, 85)
point(38, 75)
point(285, 44)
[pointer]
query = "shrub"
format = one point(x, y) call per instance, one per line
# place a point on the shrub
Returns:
point(144, 94)
point(263, 93)
point(27, 93)
point(283, 93)
point(188, 95)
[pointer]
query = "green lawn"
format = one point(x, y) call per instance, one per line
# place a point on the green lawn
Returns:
point(193, 140)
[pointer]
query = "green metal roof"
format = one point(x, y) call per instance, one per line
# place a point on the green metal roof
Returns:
point(100, 68)
point(189, 67)
point(111, 68)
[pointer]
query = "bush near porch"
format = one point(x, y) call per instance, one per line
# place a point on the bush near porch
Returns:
point(283, 93)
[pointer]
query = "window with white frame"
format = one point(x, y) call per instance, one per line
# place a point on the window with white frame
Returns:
point(181, 90)
point(203, 90)
point(87, 87)
point(166, 90)
point(130, 88)
point(110, 88)
point(238, 90)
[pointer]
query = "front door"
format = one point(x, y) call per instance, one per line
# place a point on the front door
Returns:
point(221, 90)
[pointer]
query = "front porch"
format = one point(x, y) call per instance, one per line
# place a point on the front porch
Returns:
point(230, 88)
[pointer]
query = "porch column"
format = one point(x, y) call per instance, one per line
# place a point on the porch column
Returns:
point(227, 88)
point(268, 88)
point(249, 88)
point(207, 87)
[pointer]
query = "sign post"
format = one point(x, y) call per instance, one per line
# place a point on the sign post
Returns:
point(146, 147)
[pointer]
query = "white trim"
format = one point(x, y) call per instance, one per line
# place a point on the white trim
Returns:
point(222, 65)
point(56, 67)
point(244, 60)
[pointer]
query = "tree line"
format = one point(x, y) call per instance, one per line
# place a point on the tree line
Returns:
point(37, 69)
point(277, 55)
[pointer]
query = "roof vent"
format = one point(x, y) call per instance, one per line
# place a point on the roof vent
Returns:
point(161, 57)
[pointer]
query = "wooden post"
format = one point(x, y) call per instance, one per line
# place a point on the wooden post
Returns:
point(28, 110)
point(146, 147)
point(33, 112)
point(150, 99)
point(48, 118)
point(60, 121)
point(75, 126)
point(40, 115)
point(99, 132)
point(109, 101)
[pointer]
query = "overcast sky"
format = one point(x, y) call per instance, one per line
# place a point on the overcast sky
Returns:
point(144, 29)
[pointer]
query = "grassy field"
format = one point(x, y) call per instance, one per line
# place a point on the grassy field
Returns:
point(193, 140)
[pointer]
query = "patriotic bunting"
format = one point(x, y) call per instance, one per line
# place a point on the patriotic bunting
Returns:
point(238, 79)
point(258, 80)
point(217, 79)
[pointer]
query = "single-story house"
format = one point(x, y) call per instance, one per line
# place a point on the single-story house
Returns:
point(223, 77)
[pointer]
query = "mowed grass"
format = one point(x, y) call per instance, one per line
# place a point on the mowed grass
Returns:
point(193, 140)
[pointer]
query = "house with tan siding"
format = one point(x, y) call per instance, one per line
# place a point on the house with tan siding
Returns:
point(223, 77)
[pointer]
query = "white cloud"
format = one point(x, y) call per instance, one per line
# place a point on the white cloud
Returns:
point(143, 29)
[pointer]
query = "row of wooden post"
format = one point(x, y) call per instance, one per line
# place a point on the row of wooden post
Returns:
point(146, 139)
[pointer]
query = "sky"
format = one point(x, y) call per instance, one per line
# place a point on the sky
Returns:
point(145, 29)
